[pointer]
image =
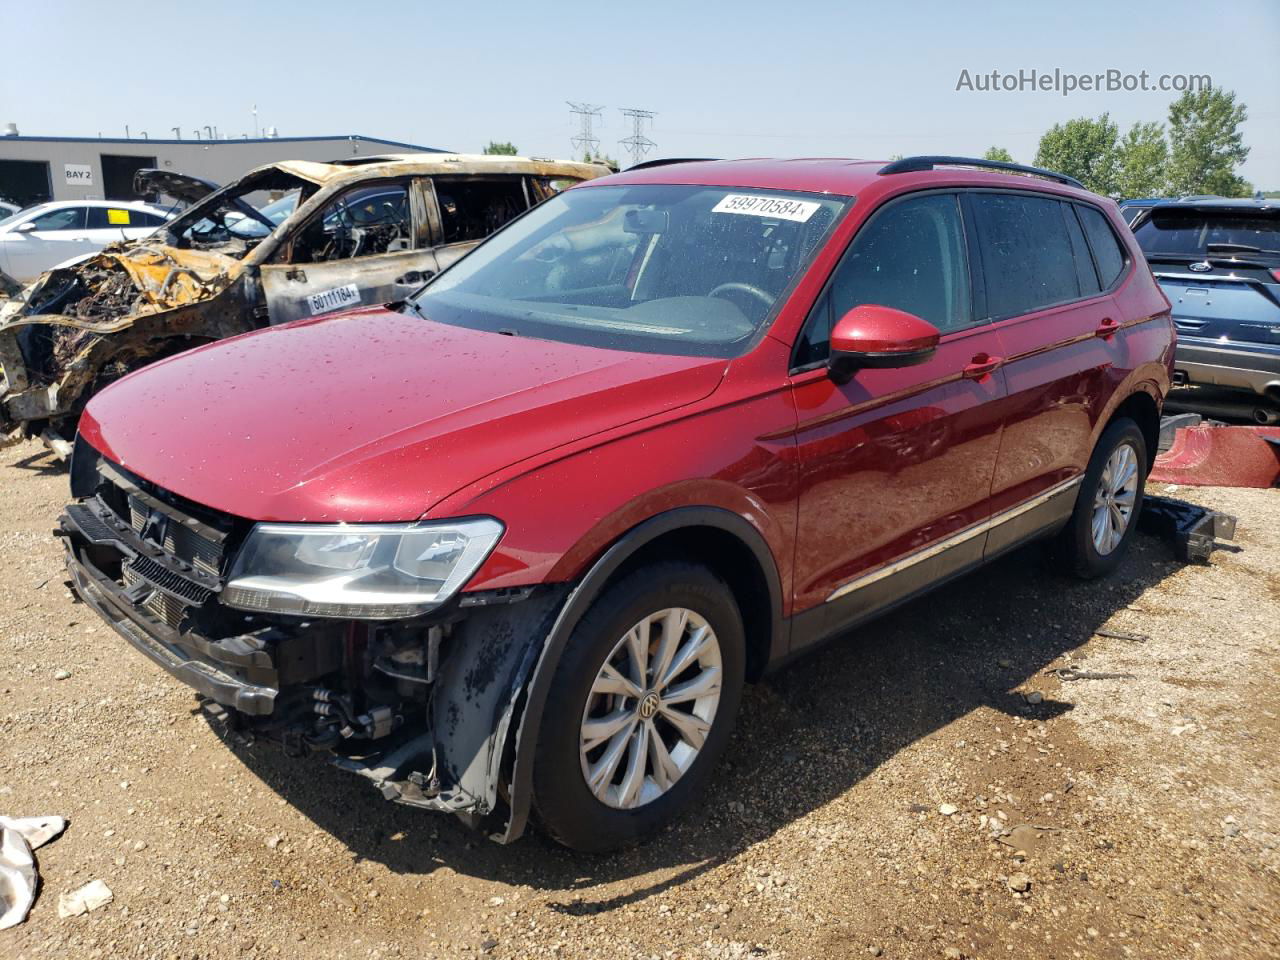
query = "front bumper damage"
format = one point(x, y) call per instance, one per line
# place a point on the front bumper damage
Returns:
point(426, 710)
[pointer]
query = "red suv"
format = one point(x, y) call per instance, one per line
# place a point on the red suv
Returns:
point(514, 545)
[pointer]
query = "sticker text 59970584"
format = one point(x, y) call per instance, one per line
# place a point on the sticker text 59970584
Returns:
point(780, 208)
point(335, 299)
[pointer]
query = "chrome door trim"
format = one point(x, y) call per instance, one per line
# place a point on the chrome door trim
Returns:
point(968, 533)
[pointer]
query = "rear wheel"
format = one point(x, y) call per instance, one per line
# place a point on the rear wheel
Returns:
point(1097, 536)
point(641, 707)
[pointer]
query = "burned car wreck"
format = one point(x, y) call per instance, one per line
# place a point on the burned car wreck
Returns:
point(287, 241)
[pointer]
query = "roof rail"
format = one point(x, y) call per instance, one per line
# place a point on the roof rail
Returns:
point(915, 164)
point(646, 164)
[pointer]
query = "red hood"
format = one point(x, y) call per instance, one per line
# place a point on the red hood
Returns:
point(371, 415)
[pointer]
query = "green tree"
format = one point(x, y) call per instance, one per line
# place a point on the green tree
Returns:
point(1085, 149)
point(1206, 143)
point(1144, 157)
point(501, 149)
point(998, 154)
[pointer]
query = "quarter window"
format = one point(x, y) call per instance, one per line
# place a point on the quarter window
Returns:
point(1106, 248)
point(910, 256)
point(1027, 258)
point(1085, 273)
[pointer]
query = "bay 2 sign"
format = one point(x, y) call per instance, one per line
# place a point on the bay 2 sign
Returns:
point(78, 174)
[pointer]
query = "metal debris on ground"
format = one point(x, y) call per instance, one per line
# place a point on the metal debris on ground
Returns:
point(1071, 673)
point(88, 898)
point(1118, 635)
point(1194, 531)
point(18, 877)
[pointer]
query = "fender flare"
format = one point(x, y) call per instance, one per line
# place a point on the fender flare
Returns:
point(576, 605)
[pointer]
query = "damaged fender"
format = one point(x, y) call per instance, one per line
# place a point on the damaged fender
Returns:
point(575, 607)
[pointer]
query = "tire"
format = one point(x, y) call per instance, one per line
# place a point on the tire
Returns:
point(1076, 551)
point(625, 807)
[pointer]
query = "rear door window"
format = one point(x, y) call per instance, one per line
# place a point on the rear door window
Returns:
point(1107, 253)
point(1027, 258)
point(104, 218)
point(471, 209)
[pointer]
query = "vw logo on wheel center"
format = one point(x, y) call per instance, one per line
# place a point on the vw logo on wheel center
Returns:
point(648, 706)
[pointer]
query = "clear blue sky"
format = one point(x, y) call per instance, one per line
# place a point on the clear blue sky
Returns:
point(795, 78)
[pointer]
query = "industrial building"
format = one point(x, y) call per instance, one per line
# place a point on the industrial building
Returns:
point(36, 169)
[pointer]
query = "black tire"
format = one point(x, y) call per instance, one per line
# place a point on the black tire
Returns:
point(565, 805)
point(1073, 551)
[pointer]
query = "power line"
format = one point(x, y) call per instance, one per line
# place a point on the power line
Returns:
point(638, 144)
point(586, 142)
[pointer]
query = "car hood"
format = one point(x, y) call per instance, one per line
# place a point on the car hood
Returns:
point(162, 277)
point(180, 186)
point(372, 415)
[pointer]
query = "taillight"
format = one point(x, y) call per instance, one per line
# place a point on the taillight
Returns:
point(1276, 273)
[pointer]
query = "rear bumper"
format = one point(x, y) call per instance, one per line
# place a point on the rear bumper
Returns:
point(1252, 367)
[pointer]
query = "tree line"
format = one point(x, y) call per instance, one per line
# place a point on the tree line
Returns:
point(1196, 152)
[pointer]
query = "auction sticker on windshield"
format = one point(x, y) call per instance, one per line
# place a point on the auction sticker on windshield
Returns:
point(348, 296)
point(754, 206)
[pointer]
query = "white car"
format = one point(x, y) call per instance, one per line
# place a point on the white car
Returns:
point(41, 237)
point(8, 209)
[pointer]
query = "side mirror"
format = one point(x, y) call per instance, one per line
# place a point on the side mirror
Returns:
point(27, 227)
point(876, 336)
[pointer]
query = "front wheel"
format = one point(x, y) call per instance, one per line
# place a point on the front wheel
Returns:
point(1101, 527)
point(641, 707)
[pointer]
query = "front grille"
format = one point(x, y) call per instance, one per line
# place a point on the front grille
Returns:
point(180, 541)
point(168, 610)
point(166, 579)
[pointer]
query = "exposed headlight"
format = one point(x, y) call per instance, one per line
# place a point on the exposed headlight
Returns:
point(367, 571)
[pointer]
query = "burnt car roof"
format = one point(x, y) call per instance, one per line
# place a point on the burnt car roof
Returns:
point(426, 164)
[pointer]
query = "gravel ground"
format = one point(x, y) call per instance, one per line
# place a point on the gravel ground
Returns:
point(922, 789)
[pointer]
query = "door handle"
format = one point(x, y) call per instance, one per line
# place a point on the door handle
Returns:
point(296, 273)
point(981, 366)
point(1106, 328)
point(415, 277)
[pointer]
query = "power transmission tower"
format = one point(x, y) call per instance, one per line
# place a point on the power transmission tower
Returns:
point(586, 142)
point(638, 144)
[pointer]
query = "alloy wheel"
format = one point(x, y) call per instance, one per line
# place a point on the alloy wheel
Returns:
point(651, 708)
point(1114, 499)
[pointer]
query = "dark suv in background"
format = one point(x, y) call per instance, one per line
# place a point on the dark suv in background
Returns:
point(514, 545)
point(1218, 261)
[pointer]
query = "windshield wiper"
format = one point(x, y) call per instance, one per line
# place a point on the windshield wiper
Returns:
point(1237, 248)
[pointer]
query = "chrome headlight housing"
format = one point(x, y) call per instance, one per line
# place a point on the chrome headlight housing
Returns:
point(364, 571)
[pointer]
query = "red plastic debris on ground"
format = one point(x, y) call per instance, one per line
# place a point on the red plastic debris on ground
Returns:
point(1207, 456)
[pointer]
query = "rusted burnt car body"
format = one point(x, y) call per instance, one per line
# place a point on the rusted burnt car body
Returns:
point(286, 241)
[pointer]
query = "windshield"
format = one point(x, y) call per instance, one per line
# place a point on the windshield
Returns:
point(235, 219)
point(21, 213)
point(276, 212)
point(1199, 232)
point(687, 270)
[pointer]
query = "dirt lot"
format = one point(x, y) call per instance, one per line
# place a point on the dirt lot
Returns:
point(1147, 809)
